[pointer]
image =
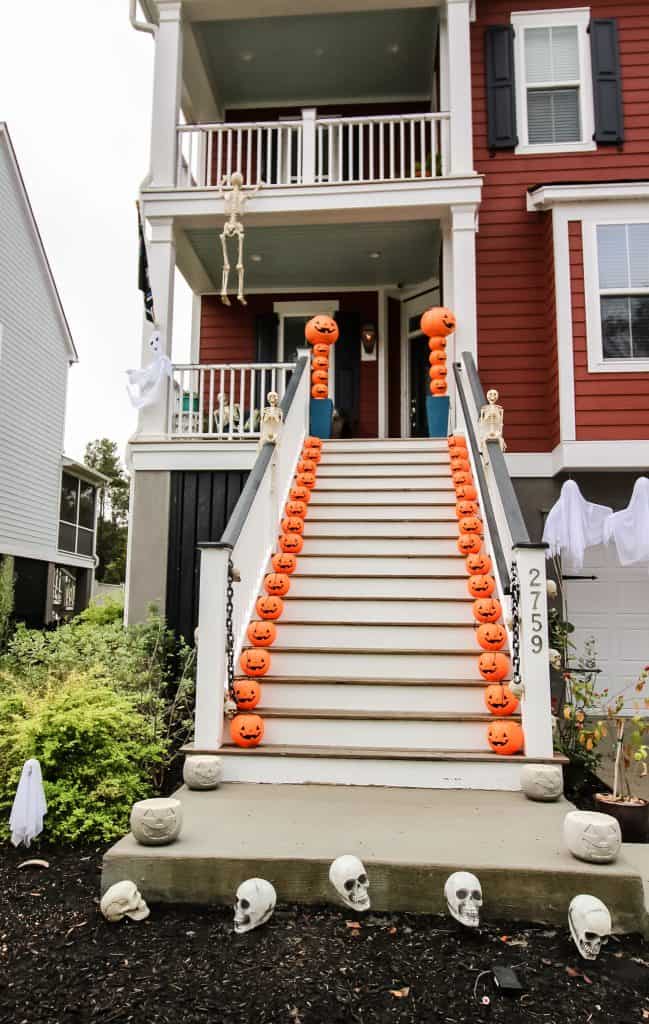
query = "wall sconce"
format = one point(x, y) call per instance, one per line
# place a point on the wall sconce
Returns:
point(369, 338)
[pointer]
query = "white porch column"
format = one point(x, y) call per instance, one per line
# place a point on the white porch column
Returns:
point(535, 665)
point(153, 419)
point(167, 85)
point(457, 75)
point(211, 666)
point(462, 297)
point(308, 145)
point(382, 356)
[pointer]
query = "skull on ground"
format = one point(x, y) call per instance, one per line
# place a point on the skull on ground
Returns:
point(349, 878)
point(590, 925)
point(123, 899)
point(254, 904)
point(463, 894)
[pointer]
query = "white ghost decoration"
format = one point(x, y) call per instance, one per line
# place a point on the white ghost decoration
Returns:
point(145, 386)
point(463, 894)
point(574, 524)
point(123, 900)
point(630, 527)
point(29, 806)
point(590, 925)
point(254, 904)
point(349, 878)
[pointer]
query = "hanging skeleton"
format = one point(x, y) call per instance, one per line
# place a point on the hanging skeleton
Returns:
point(234, 201)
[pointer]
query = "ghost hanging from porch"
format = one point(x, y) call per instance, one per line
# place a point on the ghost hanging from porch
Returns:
point(574, 524)
point(630, 527)
point(145, 386)
point(234, 202)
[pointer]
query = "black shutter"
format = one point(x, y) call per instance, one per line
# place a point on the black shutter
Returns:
point(266, 337)
point(348, 371)
point(607, 82)
point(501, 87)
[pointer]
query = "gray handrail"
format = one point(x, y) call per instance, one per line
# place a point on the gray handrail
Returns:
point(487, 507)
point(511, 508)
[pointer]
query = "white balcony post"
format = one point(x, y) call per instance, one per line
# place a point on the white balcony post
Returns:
point(153, 419)
point(167, 85)
point(458, 50)
point(211, 667)
point(535, 665)
point(461, 297)
point(308, 146)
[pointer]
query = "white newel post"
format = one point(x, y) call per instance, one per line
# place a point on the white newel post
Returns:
point(535, 665)
point(211, 667)
point(463, 275)
point(306, 353)
point(167, 85)
point(154, 419)
point(458, 46)
point(308, 145)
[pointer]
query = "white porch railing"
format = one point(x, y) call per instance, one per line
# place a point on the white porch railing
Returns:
point(223, 400)
point(330, 150)
point(249, 539)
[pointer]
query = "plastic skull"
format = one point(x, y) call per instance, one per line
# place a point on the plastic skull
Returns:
point(349, 878)
point(590, 925)
point(123, 900)
point(254, 904)
point(463, 894)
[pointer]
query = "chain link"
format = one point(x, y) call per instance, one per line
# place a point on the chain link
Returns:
point(516, 626)
point(229, 628)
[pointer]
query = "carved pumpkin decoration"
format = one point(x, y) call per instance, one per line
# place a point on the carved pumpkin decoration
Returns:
point(320, 377)
point(442, 370)
point(284, 563)
point(437, 356)
point(319, 391)
point(465, 492)
point(247, 730)
point(247, 693)
point(321, 330)
point(470, 524)
point(310, 441)
point(500, 700)
point(277, 584)
point(505, 737)
point(306, 466)
point(437, 321)
point(438, 386)
point(295, 508)
point(481, 586)
point(478, 564)
point(292, 524)
point(321, 350)
point(487, 609)
point(491, 636)
point(466, 508)
point(305, 480)
point(456, 452)
point(456, 440)
point(458, 464)
point(437, 370)
point(469, 544)
point(254, 661)
point(300, 494)
point(290, 543)
point(320, 363)
point(314, 454)
point(437, 344)
point(462, 477)
point(262, 633)
point(493, 667)
point(268, 607)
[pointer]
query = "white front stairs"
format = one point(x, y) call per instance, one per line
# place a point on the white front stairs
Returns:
point(374, 677)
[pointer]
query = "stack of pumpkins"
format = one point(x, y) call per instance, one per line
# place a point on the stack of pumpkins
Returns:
point(321, 332)
point(247, 730)
point(504, 737)
point(437, 323)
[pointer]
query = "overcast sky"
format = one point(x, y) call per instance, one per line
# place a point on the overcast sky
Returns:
point(75, 90)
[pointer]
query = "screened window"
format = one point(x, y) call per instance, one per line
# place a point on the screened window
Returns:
point(623, 270)
point(552, 84)
point(77, 516)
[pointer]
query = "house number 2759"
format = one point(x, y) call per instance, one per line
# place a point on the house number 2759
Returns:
point(536, 594)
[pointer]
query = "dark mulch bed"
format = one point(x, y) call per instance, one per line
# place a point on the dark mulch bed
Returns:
point(61, 962)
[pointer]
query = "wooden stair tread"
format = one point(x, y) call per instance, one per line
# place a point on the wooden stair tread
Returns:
point(379, 624)
point(374, 597)
point(364, 714)
point(382, 754)
point(339, 680)
point(377, 576)
point(428, 652)
point(354, 554)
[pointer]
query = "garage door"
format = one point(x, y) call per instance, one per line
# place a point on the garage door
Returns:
point(614, 609)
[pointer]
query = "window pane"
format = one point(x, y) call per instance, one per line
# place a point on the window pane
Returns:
point(538, 56)
point(639, 305)
point(294, 336)
point(611, 256)
point(565, 54)
point(84, 542)
point(413, 323)
point(638, 235)
point(553, 116)
point(87, 505)
point(566, 115)
point(66, 537)
point(69, 490)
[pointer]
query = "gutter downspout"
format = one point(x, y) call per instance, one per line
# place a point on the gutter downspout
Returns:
point(139, 26)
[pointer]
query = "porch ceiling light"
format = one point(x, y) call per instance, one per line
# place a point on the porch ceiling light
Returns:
point(319, 51)
point(247, 56)
point(256, 257)
point(393, 48)
point(375, 255)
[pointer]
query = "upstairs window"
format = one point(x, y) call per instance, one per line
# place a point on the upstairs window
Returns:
point(623, 275)
point(77, 516)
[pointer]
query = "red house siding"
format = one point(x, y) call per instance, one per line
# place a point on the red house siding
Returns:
point(609, 406)
point(228, 336)
point(516, 344)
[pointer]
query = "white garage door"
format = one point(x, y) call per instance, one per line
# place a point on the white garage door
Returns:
point(614, 609)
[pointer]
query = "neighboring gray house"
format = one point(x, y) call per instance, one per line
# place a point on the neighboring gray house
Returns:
point(48, 502)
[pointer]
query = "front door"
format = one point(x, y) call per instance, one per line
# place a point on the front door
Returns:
point(414, 360)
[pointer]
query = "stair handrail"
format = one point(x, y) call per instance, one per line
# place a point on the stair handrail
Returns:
point(246, 543)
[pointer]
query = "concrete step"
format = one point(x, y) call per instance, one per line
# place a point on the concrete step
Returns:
point(327, 663)
point(373, 610)
point(317, 526)
point(380, 636)
point(379, 586)
point(408, 484)
point(348, 564)
point(338, 511)
point(385, 461)
point(403, 546)
point(435, 696)
point(397, 497)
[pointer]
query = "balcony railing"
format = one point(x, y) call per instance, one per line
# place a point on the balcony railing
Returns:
point(330, 150)
point(223, 400)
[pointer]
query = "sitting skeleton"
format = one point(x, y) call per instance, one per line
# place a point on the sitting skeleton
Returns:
point(271, 420)
point(491, 422)
point(224, 412)
point(234, 201)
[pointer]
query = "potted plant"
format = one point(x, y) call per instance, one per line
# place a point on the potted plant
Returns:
point(631, 750)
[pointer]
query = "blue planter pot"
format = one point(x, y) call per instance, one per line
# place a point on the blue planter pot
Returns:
point(437, 413)
point(320, 417)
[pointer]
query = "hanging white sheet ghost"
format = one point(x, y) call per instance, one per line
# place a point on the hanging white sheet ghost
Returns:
point(29, 806)
point(630, 527)
point(145, 386)
point(234, 201)
point(574, 524)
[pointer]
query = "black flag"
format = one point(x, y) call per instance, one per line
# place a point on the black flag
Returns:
point(144, 283)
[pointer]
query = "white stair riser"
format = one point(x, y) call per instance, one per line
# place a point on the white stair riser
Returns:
point(443, 495)
point(383, 462)
point(388, 735)
point(316, 586)
point(360, 772)
point(357, 529)
point(352, 665)
point(390, 546)
point(348, 637)
point(390, 484)
point(348, 511)
point(361, 447)
point(375, 611)
point(408, 565)
point(355, 697)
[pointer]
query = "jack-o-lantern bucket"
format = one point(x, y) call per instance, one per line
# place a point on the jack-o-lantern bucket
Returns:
point(311, 441)
point(465, 492)
point(262, 633)
point(290, 543)
point(300, 494)
point(292, 524)
point(493, 667)
point(470, 524)
point(321, 330)
point(294, 509)
point(500, 700)
point(437, 344)
point(457, 441)
point(305, 479)
point(487, 609)
point(481, 586)
point(437, 322)
point(277, 584)
point(247, 693)
point(269, 607)
point(478, 564)
point(320, 377)
point(491, 636)
point(469, 544)
point(254, 661)
point(505, 738)
point(438, 386)
point(247, 730)
point(285, 563)
point(319, 391)
point(320, 349)
point(466, 508)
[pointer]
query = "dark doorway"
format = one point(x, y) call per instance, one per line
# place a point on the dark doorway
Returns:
point(418, 385)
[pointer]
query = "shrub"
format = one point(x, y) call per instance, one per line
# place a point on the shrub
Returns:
point(7, 583)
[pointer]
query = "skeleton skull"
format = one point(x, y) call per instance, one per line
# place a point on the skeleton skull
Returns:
point(463, 894)
point(591, 836)
point(349, 878)
point(156, 822)
point(123, 900)
point(254, 904)
point(590, 925)
point(202, 771)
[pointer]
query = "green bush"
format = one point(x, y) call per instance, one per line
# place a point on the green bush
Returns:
point(110, 610)
point(7, 585)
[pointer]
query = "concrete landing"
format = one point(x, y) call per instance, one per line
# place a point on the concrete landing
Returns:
point(409, 839)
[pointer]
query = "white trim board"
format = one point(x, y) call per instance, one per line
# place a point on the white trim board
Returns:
point(45, 554)
point(545, 197)
point(165, 456)
point(587, 456)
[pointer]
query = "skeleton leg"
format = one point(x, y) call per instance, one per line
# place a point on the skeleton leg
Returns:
point(226, 270)
point(240, 268)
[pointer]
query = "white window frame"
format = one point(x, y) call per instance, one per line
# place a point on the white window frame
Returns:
point(580, 18)
point(308, 307)
point(592, 293)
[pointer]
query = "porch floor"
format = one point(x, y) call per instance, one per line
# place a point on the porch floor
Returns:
point(409, 839)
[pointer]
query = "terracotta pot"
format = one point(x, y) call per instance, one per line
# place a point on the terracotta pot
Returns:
point(633, 818)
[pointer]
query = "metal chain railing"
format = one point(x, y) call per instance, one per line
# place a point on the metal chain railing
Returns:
point(516, 685)
point(229, 638)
